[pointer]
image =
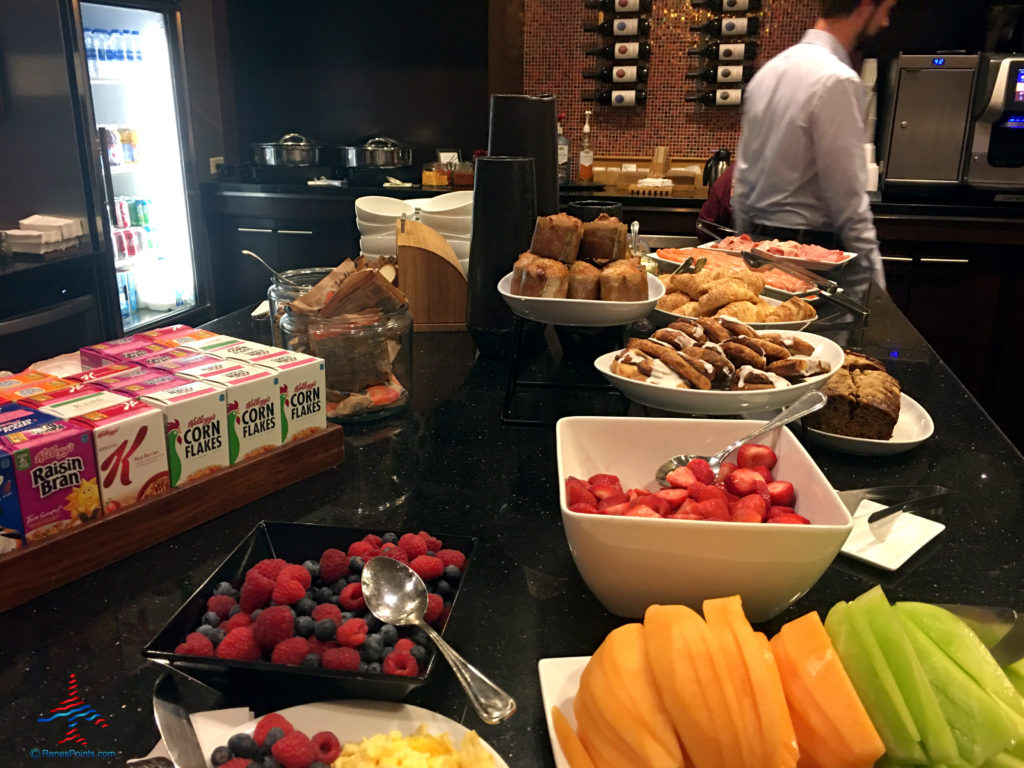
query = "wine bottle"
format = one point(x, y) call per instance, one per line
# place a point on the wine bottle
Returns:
point(719, 97)
point(619, 27)
point(727, 6)
point(623, 6)
point(723, 73)
point(725, 51)
point(618, 51)
point(621, 74)
point(729, 26)
point(619, 98)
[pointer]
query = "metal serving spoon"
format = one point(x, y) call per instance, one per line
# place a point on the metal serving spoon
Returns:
point(396, 594)
point(808, 403)
point(269, 268)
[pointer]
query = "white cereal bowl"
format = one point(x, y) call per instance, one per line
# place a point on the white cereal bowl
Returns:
point(448, 225)
point(630, 563)
point(461, 248)
point(367, 228)
point(581, 313)
point(377, 209)
point(378, 245)
point(449, 204)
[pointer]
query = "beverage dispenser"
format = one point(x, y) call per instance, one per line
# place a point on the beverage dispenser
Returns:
point(996, 156)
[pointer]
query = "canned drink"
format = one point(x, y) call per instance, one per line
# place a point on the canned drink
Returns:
point(120, 247)
point(138, 212)
point(121, 212)
point(131, 250)
point(133, 212)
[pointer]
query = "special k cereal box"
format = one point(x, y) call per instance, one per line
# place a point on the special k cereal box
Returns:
point(194, 360)
point(20, 391)
point(55, 474)
point(169, 330)
point(249, 352)
point(96, 355)
point(195, 429)
point(162, 380)
point(14, 380)
point(301, 388)
point(130, 453)
point(252, 410)
point(94, 375)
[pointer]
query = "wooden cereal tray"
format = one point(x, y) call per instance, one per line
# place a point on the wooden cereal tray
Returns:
point(38, 568)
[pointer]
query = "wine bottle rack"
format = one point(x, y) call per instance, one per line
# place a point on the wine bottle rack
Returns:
point(727, 45)
point(624, 55)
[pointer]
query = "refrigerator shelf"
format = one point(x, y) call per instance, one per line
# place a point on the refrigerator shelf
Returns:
point(117, 170)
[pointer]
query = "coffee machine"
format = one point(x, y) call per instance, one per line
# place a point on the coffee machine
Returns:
point(995, 159)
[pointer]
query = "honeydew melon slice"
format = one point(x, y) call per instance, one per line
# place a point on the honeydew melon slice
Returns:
point(981, 725)
point(573, 749)
point(862, 658)
point(1004, 760)
point(963, 646)
point(936, 737)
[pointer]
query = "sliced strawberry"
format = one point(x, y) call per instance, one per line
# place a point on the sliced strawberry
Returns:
point(775, 509)
point(713, 509)
point(766, 474)
point(681, 477)
point(782, 493)
point(688, 507)
point(612, 501)
point(790, 519)
point(754, 455)
point(726, 469)
point(685, 516)
point(701, 470)
point(615, 509)
point(659, 505)
point(640, 510)
point(578, 494)
point(749, 509)
point(584, 508)
point(674, 496)
point(743, 481)
point(602, 479)
point(604, 491)
point(634, 493)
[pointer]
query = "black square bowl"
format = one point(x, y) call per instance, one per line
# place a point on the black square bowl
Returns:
point(276, 685)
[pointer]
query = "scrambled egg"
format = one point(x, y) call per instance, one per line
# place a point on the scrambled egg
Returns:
point(420, 750)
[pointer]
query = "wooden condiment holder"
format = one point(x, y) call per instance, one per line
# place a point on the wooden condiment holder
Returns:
point(431, 277)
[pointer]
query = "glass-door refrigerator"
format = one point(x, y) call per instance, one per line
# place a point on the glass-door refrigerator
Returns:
point(135, 112)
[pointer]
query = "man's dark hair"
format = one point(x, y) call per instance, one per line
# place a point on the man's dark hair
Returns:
point(837, 9)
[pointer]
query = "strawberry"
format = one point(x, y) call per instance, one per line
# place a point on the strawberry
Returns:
point(613, 500)
point(749, 509)
point(713, 509)
point(702, 492)
point(775, 509)
point(577, 493)
point(765, 473)
point(602, 479)
point(604, 491)
point(583, 508)
point(755, 455)
point(640, 510)
point(791, 519)
point(685, 516)
point(634, 493)
point(674, 496)
point(743, 481)
point(615, 509)
point(651, 501)
point(681, 477)
point(726, 469)
point(701, 470)
point(782, 493)
point(689, 507)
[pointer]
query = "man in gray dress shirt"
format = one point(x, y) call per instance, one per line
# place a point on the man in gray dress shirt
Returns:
point(801, 172)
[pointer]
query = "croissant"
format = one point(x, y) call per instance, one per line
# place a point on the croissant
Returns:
point(741, 310)
point(671, 302)
point(724, 292)
point(790, 310)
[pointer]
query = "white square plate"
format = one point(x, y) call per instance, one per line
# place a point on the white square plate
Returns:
point(559, 681)
point(907, 534)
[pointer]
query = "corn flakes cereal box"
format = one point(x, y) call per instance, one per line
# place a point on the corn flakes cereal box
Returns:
point(15, 380)
point(166, 354)
point(182, 339)
point(249, 352)
point(169, 330)
point(162, 380)
point(212, 344)
point(29, 389)
point(252, 410)
point(131, 455)
point(70, 407)
point(194, 360)
point(195, 429)
point(204, 371)
point(94, 375)
point(96, 355)
point(55, 476)
point(302, 391)
point(15, 417)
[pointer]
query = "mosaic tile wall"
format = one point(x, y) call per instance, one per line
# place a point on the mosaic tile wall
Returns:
point(554, 61)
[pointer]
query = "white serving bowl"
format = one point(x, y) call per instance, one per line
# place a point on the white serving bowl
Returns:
point(448, 204)
point(630, 563)
point(379, 245)
point(369, 228)
point(377, 209)
point(448, 225)
point(582, 313)
point(461, 248)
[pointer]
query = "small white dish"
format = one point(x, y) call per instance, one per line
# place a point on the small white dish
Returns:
point(448, 225)
point(448, 204)
point(582, 313)
point(378, 209)
point(913, 427)
point(661, 317)
point(559, 681)
point(906, 534)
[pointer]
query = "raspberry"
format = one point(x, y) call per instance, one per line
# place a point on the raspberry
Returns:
point(297, 572)
point(351, 597)
point(452, 557)
point(269, 568)
point(220, 604)
point(236, 762)
point(373, 540)
point(363, 549)
point(435, 604)
point(352, 633)
point(413, 545)
point(288, 591)
point(326, 746)
point(290, 651)
point(273, 625)
point(400, 663)
point(239, 644)
point(433, 543)
point(256, 591)
point(333, 565)
point(273, 720)
point(429, 568)
point(395, 552)
point(196, 644)
point(240, 619)
point(404, 645)
point(341, 658)
point(294, 750)
point(327, 611)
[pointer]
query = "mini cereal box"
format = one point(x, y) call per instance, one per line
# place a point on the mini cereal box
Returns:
point(162, 380)
point(32, 388)
point(212, 344)
point(169, 330)
point(55, 474)
point(103, 372)
point(14, 417)
point(182, 339)
point(195, 429)
point(249, 352)
point(136, 354)
point(15, 380)
point(96, 355)
point(130, 452)
point(194, 360)
point(68, 392)
point(130, 377)
point(89, 401)
point(165, 354)
point(302, 389)
point(252, 411)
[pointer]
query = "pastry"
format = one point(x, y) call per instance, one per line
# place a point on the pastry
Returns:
point(674, 338)
point(673, 302)
point(635, 364)
point(799, 367)
point(544, 278)
point(790, 310)
point(745, 311)
point(557, 237)
point(519, 271)
point(723, 292)
point(771, 350)
point(691, 328)
point(693, 375)
point(584, 281)
point(794, 344)
point(604, 239)
point(736, 328)
point(713, 330)
point(712, 355)
point(855, 361)
point(624, 280)
point(863, 400)
point(749, 379)
point(740, 355)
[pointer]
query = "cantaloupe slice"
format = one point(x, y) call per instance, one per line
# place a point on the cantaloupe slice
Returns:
point(601, 741)
point(818, 688)
point(936, 737)
point(812, 744)
point(680, 688)
point(777, 700)
point(874, 683)
point(573, 749)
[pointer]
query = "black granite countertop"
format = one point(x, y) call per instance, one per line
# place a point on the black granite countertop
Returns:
point(449, 465)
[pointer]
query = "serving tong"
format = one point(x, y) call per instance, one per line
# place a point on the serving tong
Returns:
point(897, 498)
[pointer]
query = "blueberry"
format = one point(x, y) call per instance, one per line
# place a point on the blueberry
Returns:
point(243, 745)
point(373, 668)
point(389, 538)
point(206, 629)
point(234, 609)
point(339, 585)
point(274, 734)
point(419, 653)
point(313, 567)
point(418, 636)
point(353, 578)
point(373, 624)
point(325, 629)
point(346, 615)
point(371, 649)
point(226, 588)
point(443, 588)
point(323, 594)
point(217, 636)
point(211, 619)
point(362, 666)
point(452, 573)
point(311, 661)
point(355, 564)
point(388, 634)
point(270, 762)
point(220, 755)
point(387, 650)
point(255, 613)
point(305, 606)
point(304, 626)
point(333, 600)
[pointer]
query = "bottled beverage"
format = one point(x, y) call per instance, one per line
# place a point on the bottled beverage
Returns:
point(134, 140)
point(620, 27)
point(133, 296)
point(127, 152)
point(621, 6)
point(727, 6)
point(122, 294)
point(729, 26)
point(625, 73)
point(99, 44)
point(120, 248)
point(719, 97)
point(617, 51)
point(562, 144)
point(725, 51)
point(115, 55)
point(586, 153)
point(126, 48)
point(112, 144)
point(137, 46)
point(619, 98)
point(146, 205)
point(122, 218)
point(722, 73)
point(90, 51)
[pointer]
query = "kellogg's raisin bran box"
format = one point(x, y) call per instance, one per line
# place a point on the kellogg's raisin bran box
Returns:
point(195, 429)
point(55, 474)
point(302, 390)
point(130, 453)
point(252, 408)
point(14, 417)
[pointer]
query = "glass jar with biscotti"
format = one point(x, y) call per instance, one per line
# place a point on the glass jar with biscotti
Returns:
point(282, 292)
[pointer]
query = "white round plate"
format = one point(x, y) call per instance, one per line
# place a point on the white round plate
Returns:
point(913, 427)
point(819, 266)
point(583, 313)
point(717, 402)
point(350, 721)
point(661, 317)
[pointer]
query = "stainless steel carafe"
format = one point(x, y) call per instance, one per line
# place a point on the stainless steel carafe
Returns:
point(715, 166)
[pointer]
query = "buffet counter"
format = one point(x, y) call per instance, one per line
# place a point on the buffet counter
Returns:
point(447, 465)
